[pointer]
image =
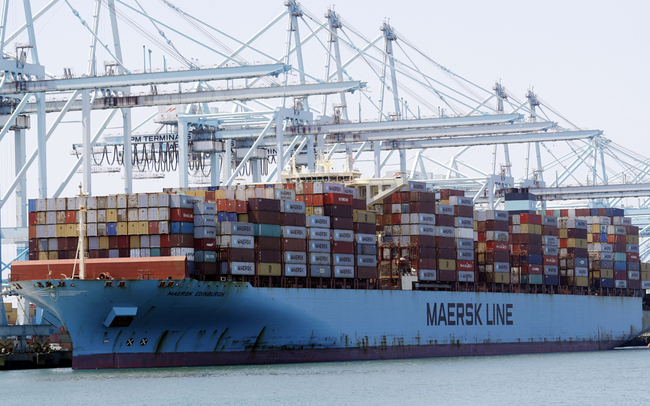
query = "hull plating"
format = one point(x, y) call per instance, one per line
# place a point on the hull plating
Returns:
point(218, 323)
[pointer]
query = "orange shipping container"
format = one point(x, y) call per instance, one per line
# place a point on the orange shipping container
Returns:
point(117, 268)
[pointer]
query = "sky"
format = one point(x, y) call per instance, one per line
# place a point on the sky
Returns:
point(586, 59)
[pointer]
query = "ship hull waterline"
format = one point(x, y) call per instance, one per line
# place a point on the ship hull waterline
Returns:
point(192, 323)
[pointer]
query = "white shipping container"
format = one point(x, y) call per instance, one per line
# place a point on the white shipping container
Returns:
point(163, 213)
point(466, 276)
point(550, 240)
point(60, 204)
point(343, 235)
point(319, 246)
point(427, 275)
point(417, 186)
point(318, 221)
point(242, 268)
point(619, 284)
point(143, 214)
point(582, 271)
point(145, 241)
point(320, 258)
point(344, 272)
point(285, 194)
point(333, 187)
point(464, 222)
point(502, 267)
point(645, 285)
point(163, 199)
point(318, 188)
point(294, 207)
point(465, 244)
point(422, 218)
point(295, 257)
point(423, 229)
point(501, 236)
point(135, 252)
point(461, 201)
point(132, 215)
point(343, 259)
point(152, 214)
point(295, 270)
point(465, 255)
point(293, 232)
point(405, 218)
point(367, 260)
point(404, 240)
point(445, 209)
point(632, 248)
point(163, 227)
point(319, 233)
point(550, 250)
point(350, 191)
point(463, 233)
point(396, 208)
point(447, 231)
point(50, 217)
point(91, 229)
point(50, 204)
point(633, 275)
point(233, 228)
point(366, 239)
point(145, 252)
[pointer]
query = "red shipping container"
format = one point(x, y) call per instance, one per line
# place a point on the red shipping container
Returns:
point(222, 205)
point(631, 230)
point(447, 276)
point(241, 206)
point(497, 246)
point(123, 242)
point(317, 200)
point(529, 218)
point(464, 265)
point(32, 218)
point(536, 269)
point(294, 244)
point(205, 244)
point(341, 223)
point(268, 243)
point(308, 188)
point(341, 247)
point(424, 207)
point(300, 198)
point(231, 206)
point(359, 204)
point(396, 198)
point(290, 186)
point(427, 263)
point(405, 197)
point(422, 197)
point(366, 272)
point(445, 221)
point(186, 215)
point(446, 242)
point(425, 241)
point(463, 211)
point(153, 227)
point(481, 235)
point(634, 284)
point(209, 196)
point(620, 275)
point(338, 199)
point(71, 217)
point(632, 257)
point(550, 260)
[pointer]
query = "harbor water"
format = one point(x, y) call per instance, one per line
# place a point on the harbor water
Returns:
point(586, 378)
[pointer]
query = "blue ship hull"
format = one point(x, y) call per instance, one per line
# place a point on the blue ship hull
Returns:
point(192, 323)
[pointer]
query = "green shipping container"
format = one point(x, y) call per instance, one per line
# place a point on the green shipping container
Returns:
point(155, 252)
point(535, 279)
point(268, 230)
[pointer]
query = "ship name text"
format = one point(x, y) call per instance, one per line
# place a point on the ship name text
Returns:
point(469, 314)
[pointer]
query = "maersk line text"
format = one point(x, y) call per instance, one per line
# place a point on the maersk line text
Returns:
point(469, 314)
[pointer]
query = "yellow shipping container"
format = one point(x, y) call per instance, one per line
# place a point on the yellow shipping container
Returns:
point(103, 243)
point(579, 281)
point(122, 228)
point(133, 228)
point(607, 273)
point(501, 277)
point(111, 216)
point(563, 233)
point(134, 241)
point(52, 255)
point(576, 243)
point(220, 194)
point(446, 265)
point(309, 210)
point(645, 266)
point(42, 256)
point(72, 230)
point(243, 218)
point(269, 269)
point(632, 239)
point(362, 216)
point(645, 275)
point(61, 231)
point(143, 227)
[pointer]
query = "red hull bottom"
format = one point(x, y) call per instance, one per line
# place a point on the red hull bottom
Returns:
point(187, 359)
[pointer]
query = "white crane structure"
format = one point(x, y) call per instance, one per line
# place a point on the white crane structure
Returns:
point(380, 105)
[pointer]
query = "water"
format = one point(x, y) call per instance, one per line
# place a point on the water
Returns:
point(589, 378)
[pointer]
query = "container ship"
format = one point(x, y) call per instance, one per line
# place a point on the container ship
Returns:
point(309, 270)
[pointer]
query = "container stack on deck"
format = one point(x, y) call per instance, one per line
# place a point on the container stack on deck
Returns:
point(574, 261)
point(493, 244)
point(322, 236)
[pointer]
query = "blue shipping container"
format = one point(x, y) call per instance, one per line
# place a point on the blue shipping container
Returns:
point(551, 280)
point(620, 266)
point(231, 217)
point(222, 216)
point(31, 204)
point(536, 259)
point(111, 229)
